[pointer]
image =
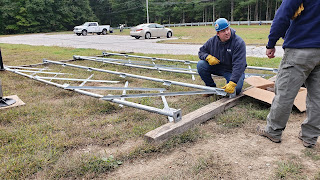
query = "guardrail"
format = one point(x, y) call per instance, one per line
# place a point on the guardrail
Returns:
point(212, 23)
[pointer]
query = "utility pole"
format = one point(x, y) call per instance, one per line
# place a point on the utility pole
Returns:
point(147, 11)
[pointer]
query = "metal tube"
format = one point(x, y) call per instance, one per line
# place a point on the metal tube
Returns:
point(263, 68)
point(166, 82)
point(152, 58)
point(41, 72)
point(115, 88)
point(157, 94)
point(73, 79)
point(20, 67)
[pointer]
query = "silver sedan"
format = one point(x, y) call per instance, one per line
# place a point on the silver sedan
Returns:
point(150, 30)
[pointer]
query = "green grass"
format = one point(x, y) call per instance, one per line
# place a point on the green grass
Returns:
point(44, 138)
point(82, 165)
point(289, 170)
point(232, 118)
point(252, 35)
point(312, 153)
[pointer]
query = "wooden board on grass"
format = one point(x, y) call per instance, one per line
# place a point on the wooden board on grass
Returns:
point(198, 116)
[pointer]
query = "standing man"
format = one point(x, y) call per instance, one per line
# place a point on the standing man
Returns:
point(224, 55)
point(299, 22)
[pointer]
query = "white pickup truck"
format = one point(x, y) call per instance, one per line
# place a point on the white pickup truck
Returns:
point(92, 27)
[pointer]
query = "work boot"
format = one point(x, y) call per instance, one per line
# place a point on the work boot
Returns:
point(305, 144)
point(263, 133)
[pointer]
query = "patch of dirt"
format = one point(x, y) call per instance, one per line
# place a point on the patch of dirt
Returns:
point(226, 154)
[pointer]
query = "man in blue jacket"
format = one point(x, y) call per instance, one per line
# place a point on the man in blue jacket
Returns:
point(298, 22)
point(224, 55)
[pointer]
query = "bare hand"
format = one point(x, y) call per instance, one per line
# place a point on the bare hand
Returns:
point(270, 53)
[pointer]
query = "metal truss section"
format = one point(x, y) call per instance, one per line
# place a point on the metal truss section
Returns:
point(182, 61)
point(138, 64)
point(174, 114)
point(217, 91)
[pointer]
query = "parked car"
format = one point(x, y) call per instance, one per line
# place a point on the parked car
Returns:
point(150, 30)
point(92, 27)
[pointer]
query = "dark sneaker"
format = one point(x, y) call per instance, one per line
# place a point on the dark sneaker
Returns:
point(305, 144)
point(263, 133)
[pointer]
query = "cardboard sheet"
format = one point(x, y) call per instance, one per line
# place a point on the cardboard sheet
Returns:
point(261, 91)
point(19, 102)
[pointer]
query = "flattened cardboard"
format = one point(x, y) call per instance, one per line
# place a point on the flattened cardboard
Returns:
point(300, 100)
point(19, 102)
point(261, 92)
point(258, 81)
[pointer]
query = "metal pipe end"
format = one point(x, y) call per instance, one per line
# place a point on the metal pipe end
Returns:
point(177, 115)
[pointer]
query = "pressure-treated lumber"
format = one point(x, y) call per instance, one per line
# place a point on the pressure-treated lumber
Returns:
point(198, 116)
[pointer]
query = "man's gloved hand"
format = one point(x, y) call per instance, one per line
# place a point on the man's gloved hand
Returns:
point(212, 60)
point(298, 12)
point(230, 87)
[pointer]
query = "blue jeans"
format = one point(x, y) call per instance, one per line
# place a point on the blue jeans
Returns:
point(205, 70)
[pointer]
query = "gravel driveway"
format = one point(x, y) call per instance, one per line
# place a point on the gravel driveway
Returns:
point(119, 44)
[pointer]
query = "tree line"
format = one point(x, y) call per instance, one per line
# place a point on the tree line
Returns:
point(25, 16)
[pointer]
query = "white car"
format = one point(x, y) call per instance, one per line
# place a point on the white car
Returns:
point(92, 27)
point(150, 30)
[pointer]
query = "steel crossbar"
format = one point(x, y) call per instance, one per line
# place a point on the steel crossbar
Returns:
point(74, 79)
point(157, 94)
point(151, 58)
point(115, 88)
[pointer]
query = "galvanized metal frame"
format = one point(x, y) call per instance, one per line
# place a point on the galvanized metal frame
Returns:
point(121, 74)
point(173, 117)
point(134, 64)
point(275, 70)
point(175, 114)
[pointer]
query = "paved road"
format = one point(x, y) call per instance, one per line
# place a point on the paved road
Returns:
point(119, 44)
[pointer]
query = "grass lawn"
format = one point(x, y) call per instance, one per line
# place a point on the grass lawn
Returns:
point(41, 136)
point(252, 35)
point(61, 134)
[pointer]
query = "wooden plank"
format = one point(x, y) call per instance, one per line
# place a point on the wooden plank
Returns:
point(19, 102)
point(198, 116)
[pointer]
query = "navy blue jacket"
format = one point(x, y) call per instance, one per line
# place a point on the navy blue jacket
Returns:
point(302, 32)
point(232, 54)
